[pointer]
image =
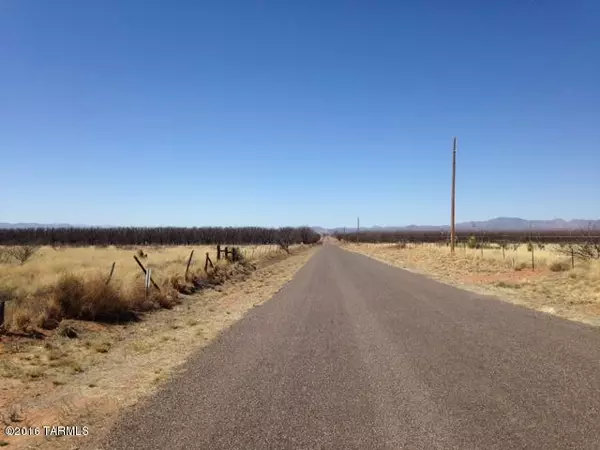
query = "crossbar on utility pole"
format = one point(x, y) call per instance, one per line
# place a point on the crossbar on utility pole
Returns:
point(453, 207)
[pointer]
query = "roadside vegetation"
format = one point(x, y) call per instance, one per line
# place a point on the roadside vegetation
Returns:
point(51, 274)
point(62, 282)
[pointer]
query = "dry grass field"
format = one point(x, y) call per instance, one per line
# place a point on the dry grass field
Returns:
point(554, 286)
point(87, 377)
point(73, 279)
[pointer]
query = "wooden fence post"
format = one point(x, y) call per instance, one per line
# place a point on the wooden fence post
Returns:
point(1, 313)
point(572, 257)
point(532, 257)
point(218, 252)
point(144, 270)
point(188, 265)
point(207, 262)
point(112, 269)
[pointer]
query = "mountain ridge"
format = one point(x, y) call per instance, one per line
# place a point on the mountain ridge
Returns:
point(495, 224)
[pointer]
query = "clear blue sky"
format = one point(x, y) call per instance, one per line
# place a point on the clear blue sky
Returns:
point(298, 112)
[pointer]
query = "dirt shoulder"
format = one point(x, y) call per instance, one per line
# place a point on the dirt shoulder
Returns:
point(87, 380)
point(572, 294)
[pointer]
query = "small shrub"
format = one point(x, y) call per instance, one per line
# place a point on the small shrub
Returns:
point(521, 266)
point(560, 266)
point(103, 347)
point(472, 241)
point(68, 330)
point(35, 373)
point(69, 295)
point(23, 252)
point(165, 298)
point(5, 256)
point(90, 300)
point(141, 254)
point(76, 367)
point(180, 285)
point(238, 256)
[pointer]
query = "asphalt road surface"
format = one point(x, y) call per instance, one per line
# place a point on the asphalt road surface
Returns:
point(355, 354)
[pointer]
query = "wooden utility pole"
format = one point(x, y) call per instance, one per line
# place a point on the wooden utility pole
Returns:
point(357, 228)
point(453, 207)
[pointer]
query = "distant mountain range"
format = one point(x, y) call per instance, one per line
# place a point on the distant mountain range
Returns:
point(36, 225)
point(497, 224)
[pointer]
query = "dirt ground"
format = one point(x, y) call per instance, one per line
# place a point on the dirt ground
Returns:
point(572, 293)
point(87, 380)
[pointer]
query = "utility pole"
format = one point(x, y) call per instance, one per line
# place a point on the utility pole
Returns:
point(357, 228)
point(453, 207)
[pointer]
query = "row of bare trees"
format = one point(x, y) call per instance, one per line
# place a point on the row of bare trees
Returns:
point(157, 236)
point(548, 236)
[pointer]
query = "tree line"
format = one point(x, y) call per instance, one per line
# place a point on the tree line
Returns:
point(158, 236)
point(417, 236)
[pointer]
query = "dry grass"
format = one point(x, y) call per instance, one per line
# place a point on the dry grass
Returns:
point(70, 282)
point(552, 287)
point(88, 377)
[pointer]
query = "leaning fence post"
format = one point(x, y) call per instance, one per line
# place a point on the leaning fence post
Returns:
point(207, 262)
point(145, 272)
point(188, 265)
point(112, 269)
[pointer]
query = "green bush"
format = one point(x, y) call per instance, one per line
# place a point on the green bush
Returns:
point(472, 242)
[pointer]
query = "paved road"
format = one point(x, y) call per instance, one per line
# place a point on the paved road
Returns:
point(355, 354)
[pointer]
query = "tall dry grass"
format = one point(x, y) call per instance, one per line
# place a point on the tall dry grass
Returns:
point(70, 282)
